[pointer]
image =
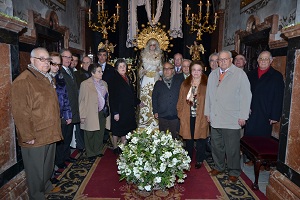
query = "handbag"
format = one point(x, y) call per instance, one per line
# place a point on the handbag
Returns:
point(105, 110)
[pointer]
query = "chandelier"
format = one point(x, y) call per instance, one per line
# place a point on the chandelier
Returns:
point(104, 22)
point(198, 23)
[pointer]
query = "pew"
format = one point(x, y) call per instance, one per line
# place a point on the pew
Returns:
point(261, 151)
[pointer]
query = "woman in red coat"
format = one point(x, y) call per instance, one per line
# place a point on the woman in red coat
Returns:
point(190, 107)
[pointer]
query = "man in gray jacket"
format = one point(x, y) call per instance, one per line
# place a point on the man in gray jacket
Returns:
point(227, 106)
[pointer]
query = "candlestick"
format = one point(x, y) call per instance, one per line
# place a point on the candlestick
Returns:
point(90, 14)
point(207, 6)
point(98, 4)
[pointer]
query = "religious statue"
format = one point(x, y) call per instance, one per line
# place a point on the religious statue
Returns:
point(150, 69)
point(195, 50)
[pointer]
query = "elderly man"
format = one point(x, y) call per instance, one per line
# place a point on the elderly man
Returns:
point(185, 70)
point(267, 88)
point(213, 61)
point(227, 106)
point(164, 100)
point(240, 61)
point(82, 74)
point(36, 113)
point(178, 62)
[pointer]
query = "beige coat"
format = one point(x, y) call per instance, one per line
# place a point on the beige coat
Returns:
point(183, 109)
point(35, 109)
point(88, 105)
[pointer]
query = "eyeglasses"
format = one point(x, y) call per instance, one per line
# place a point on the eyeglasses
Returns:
point(263, 59)
point(43, 59)
point(55, 64)
point(213, 61)
point(223, 59)
point(67, 57)
point(168, 68)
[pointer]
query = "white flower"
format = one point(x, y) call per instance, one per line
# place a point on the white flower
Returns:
point(150, 157)
point(162, 167)
point(148, 187)
point(134, 140)
point(157, 180)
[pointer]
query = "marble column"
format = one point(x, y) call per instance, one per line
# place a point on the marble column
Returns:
point(284, 182)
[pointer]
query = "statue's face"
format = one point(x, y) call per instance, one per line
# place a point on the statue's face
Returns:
point(152, 46)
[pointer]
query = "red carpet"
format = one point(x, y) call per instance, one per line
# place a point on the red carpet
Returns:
point(103, 183)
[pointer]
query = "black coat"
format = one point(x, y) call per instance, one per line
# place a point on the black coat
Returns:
point(81, 75)
point(72, 91)
point(266, 104)
point(108, 74)
point(122, 101)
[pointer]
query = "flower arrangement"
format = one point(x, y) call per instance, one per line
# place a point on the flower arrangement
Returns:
point(152, 159)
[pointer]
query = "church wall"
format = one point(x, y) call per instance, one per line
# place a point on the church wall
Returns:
point(235, 19)
point(68, 16)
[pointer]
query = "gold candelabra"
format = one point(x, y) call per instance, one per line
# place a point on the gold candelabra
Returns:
point(103, 20)
point(198, 23)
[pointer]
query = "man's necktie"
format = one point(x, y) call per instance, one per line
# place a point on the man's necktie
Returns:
point(69, 72)
point(222, 74)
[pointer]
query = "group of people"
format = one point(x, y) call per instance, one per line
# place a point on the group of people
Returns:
point(226, 105)
point(51, 97)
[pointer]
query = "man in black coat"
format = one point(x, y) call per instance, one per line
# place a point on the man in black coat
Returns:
point(63, 150)
point(108, 70)
point(108, 76)
point(164, 100)
point(267, 88)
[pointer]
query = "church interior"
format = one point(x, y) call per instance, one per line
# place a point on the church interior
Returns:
point(245, 27)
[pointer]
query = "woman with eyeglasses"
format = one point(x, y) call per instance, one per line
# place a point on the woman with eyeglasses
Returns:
point(190, 108)
point(93, 100)
point(60, 84)
point(63, 100)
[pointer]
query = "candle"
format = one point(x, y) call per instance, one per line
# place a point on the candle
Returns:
point(187, 9)
point(102, 2)
point(200, 7)
point(98, 4)
point(118, 7)
point(216, 18)
point(90, 13)
point(114, 17)
point(207, 6)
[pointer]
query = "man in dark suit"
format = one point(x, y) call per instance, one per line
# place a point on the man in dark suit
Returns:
point(185, 70)
point(177, 63)
point(108, 70)
point(108, 75)
point(63, 150)
point(82, 74)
